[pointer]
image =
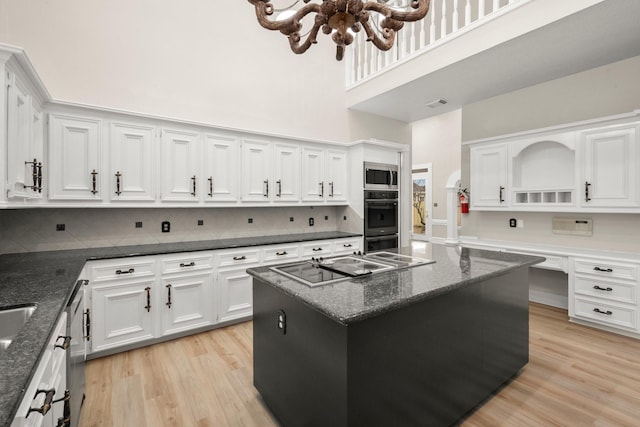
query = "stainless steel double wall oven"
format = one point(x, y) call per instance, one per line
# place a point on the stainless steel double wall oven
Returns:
point(380, 206)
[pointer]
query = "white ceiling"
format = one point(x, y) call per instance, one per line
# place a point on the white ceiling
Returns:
point(599, 35)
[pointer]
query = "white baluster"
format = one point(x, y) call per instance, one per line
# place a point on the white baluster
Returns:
point(467, 13)
point(412, 38)
point(351, 75)
point(366, 64)
point(496, 5)
point(443, 21)
point(359, 55)
point(456, 16)
point(432, 28)
point(481, 8)
point(423, 35)
point(380, 59)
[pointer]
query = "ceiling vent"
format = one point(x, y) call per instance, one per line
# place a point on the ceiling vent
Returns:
point(435, 103)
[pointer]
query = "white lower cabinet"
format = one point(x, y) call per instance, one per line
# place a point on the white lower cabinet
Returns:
point(605, 293)
point(139, 299)
point(49, 380)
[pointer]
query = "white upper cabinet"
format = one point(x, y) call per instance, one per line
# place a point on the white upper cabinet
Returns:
point(610, 159)
point(257, 185)
point(286, 173)
point(324, 175)
point(25, 137)
point(221, 173)
point(180, 158)
point(489, 176)
point(132, 162)
point(74, 158)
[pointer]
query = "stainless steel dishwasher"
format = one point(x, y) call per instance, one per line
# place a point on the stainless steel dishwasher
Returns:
point(77, 329)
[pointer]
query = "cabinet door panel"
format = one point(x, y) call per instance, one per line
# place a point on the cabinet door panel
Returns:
point(336, 177)
point(221, 168)
point(180, 166)
point(74, 158)
point(187, 303)
point(132, 161)
point(235, 294)
point(120, 315)
point(256, 171)
point(488, 176)
point(313, 171)
point(286, 173)
point(609, 168)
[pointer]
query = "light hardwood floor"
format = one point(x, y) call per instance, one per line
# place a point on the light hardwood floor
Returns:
point(576, 376)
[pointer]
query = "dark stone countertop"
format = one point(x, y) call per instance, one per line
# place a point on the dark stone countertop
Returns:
point(48, 278)
point(358, 299)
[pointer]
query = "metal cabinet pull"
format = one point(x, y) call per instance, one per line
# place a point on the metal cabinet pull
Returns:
point(321, 184)
point(279, 183)
point(36, 175)
point(239, 258)
point(347, 245)
point(168, 303)
point(500, 195)
point(191, 264)
point(266, 188)
point(586, 191)
point(148, 306)
point(39, 177)
point(118, 176)
point(94, 182)
point(331, 189)
point(210, 186)
point(608, 312)
point(129, 271)
point(65, 343)
point(608, 289)
point(604, 270)
point(46, 405)
point(87, 324)
point(316, 249)
point(65, 420)
point(193, 185)
point(281, 253)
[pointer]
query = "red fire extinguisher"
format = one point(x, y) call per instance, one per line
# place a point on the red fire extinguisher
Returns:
point(464, 201)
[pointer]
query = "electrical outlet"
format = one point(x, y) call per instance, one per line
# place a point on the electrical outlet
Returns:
point(60, 227)
point(344, 218)
point(250, 220)
point(165, 226)
point(513, 222)
point(200, 222)
point(290, 219)
point(311, 222)
point(282, 321)
point(138, 224)
point(326, 217)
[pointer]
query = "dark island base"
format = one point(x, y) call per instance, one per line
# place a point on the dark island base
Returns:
point(427, 364)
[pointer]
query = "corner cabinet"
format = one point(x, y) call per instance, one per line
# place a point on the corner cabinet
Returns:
point(584, 167)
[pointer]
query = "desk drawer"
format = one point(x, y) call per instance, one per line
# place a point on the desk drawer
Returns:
point(238, 257)
point(602, 289)
point(186, 263)
point(281, 253)
point(614, 270)
point(607, 314)
point(122, 268)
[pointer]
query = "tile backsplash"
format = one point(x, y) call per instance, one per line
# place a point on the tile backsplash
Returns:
point(32, 230)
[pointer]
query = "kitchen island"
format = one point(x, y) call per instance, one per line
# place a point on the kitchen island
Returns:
point(414, 346)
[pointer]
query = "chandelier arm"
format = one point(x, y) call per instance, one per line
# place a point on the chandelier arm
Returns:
point(421, 7)
point(264, 8)
point(382, 43)
point(297, 47)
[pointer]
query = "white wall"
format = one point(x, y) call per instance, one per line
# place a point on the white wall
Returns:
point(197, 60)
point(603, 91)
point(437, 140)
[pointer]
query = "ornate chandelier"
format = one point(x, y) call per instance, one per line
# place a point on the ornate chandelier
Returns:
point(340, 18)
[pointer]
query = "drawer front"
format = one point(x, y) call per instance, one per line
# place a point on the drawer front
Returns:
point(238, 257)
point(275, 254)
point(607, 314)
point(122, 268)
point(347, 246)
point(186, 262)
point(317, 249)
point(621, 291)
point(615, 270)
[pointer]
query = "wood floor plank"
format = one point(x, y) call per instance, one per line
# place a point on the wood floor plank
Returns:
point(576, 376)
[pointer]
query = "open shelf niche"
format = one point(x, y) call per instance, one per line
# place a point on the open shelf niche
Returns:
point(543, 173)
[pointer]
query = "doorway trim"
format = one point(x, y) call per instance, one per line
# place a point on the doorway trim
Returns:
point(425, 168)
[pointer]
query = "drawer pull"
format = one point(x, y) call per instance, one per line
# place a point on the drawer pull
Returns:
point(239, 258)
point(129, 271)
point(281, 253)
point(608, 312)
point(316, 249)
point(46, 405)
point(191, 264)
point(348, 245)
point(604, 270)
point(608, 289)
point(65, 343)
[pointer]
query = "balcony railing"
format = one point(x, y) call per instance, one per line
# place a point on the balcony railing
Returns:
point(446, 19)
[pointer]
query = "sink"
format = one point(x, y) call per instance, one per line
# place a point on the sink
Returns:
point(11, 321)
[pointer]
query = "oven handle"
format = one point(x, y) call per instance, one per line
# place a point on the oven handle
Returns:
point(381, 201)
